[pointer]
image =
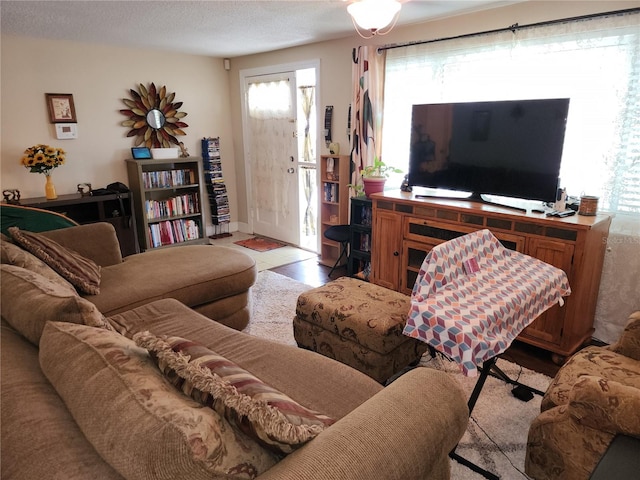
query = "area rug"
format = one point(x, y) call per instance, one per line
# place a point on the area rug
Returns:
point(260, 244)
point(496, 437)
point(273, 306)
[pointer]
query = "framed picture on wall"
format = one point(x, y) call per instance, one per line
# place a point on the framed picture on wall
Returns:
point(61, 108)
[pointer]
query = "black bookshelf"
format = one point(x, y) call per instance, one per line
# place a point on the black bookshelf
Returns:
point(360, 256)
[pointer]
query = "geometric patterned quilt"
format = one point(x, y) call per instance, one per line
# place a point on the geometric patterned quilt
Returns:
point(473, 297)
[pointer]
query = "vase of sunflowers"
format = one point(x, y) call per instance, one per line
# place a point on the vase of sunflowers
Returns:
point(42, 159)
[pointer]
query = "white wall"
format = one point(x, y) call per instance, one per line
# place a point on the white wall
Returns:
point(99, 77)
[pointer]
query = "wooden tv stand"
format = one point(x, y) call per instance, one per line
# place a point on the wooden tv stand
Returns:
point(406, 228)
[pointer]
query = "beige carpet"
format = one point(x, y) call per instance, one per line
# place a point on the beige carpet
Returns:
point(497, 433)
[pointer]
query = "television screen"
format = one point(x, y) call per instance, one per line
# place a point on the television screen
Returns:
point(508, 148)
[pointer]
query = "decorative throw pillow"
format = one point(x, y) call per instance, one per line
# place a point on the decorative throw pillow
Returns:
point(139, 423)
point(29, 300)
point(255, 408)
point(12, 254)
point(81, 272)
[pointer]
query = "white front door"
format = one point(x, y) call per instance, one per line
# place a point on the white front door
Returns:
point(272, 153)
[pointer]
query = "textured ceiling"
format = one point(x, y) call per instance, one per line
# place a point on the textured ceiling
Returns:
point(216, 28)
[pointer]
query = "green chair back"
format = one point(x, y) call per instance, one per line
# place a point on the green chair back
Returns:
point(32, 219)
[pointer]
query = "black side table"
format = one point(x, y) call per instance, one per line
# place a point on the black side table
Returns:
point(117, 209)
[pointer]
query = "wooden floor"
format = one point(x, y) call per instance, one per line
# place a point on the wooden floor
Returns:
point(312, 273)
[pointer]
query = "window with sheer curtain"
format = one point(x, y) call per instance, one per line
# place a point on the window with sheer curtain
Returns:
point(594, 62)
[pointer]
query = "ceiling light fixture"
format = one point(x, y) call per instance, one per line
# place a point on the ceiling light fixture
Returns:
point(376, 17)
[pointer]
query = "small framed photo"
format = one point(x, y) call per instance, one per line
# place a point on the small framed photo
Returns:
point(61, 108)
point(140, 153)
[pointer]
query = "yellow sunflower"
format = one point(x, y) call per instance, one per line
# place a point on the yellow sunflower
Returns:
point(42, 158)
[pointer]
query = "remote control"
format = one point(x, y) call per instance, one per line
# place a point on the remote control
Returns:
point(566, 213)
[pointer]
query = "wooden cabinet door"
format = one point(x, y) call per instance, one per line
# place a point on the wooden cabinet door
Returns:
point(387, 238)
point(548, 327)
point(413, 255)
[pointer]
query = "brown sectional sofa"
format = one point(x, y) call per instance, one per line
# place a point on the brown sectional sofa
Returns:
point(77, 407)
point(212, 280)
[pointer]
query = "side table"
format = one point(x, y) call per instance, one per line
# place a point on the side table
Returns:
point(117, 209)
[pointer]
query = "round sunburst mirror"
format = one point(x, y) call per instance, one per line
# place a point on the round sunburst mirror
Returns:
point(154, 118)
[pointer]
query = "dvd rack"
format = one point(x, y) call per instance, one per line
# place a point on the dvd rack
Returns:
point(216, 188)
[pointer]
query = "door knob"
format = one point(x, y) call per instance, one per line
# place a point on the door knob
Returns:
point(290, 170)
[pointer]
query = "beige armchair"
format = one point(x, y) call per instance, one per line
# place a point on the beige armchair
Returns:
point(593, 397)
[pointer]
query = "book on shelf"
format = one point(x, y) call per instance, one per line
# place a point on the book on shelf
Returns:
point(365, 242)
point(187, 204)
point(366, 216)
point(170, 232)
point(330, 192)
point(168, 178)
point(363, 271)
point(210, 147)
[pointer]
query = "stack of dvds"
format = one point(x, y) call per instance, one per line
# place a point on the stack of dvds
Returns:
point(216, 188)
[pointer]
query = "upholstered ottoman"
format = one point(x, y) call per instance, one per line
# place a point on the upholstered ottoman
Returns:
point(359, 324)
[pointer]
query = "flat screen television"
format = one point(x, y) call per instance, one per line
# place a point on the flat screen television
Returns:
point(507, 148)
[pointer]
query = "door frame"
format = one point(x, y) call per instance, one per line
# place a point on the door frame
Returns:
point(245, 74)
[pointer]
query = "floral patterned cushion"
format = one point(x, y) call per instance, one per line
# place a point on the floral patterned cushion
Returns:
point(600, 403)
point(359, 324)
point(255, 408)
point(134, 418)
point(596, 361)
point(369, 314)
point(81, 272)
point(569, 440)
point(29, 300)
point(629, 342)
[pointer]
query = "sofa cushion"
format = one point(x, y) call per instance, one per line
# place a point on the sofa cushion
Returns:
point(595, 361)
point(81, 272)
point(605, 405)
point(111, 386)
point(39, 435)
point(269, 416)
point(12, 254)
point(193, 274)
point(317, 382)
point(29, 300)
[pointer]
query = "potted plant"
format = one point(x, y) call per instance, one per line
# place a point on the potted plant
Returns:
point(374, 176)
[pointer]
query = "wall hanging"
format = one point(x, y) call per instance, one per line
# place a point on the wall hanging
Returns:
point(154, 118)
point(61, 108)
